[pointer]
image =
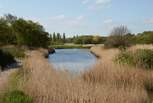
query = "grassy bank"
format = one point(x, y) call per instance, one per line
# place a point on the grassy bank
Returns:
point(71, 46)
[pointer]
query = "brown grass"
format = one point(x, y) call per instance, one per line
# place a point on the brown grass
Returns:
point(104, 83)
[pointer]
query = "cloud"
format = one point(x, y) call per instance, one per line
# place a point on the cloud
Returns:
point(62, 23)
point(58, 17)
point(99, 4)
point(85, 1)
point(149, 21)
point(108, 21)
point(102, 2)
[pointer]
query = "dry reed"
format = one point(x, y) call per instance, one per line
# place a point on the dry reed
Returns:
point(105, 83)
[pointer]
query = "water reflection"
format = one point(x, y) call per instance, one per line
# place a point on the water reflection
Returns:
point(74, 60)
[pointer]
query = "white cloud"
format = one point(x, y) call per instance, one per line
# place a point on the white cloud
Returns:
point(99, 4)
point(58, 17)
point(62, 23)
point(102, 2)
point(108, 21)
point(85, 1)
point(149, 21)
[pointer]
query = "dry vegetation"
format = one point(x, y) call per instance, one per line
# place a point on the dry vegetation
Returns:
point(105, 83)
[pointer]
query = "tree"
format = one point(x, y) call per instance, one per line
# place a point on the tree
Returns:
point(10, 18)
point(58, 36)
point(6, 36)
point(145, 37)
point(54, 37)
point(30, 33)
point(118, 37)
point(51, 37)
point(64, 37)
point(96, 39)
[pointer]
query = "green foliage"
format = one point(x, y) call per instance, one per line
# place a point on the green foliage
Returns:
point(145, 38)
point(5, 59)
point(69, 46)
point(57, 39)
point(17, 96)
point(19, 31)
point(88, 39)
point(6, 33)
point(142, 58)
point(124, 58)
point(30, 33)
point(15, 51)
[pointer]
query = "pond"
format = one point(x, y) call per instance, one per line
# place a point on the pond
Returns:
point(73, 60)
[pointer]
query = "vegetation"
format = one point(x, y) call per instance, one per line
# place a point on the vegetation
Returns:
point(116, 83)
point(106, 82)
point(141, 58)
point(17, 97)
point(70, 46)
point(20, 32)
point(14, 51)
point(57, 39)
point(118, 38)
point(88, 39)
point(145, 37)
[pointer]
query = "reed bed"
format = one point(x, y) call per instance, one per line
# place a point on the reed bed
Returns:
point(103, 83)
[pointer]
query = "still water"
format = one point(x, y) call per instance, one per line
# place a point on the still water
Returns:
point(74, 60)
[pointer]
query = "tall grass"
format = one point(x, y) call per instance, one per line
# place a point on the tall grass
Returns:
point(104, 83)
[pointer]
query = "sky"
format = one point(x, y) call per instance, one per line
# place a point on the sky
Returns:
point(73, 17)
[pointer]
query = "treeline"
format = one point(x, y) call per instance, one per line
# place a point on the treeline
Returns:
point(57, 38)
point(121, 37)
point(88, 39)
point(18, 31)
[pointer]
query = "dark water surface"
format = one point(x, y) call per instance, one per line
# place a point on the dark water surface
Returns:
point(74, 60)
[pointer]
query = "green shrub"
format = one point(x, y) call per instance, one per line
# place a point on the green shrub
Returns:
point(17, 97)
point(124, 58)
point(142, 58)
point(15, 51)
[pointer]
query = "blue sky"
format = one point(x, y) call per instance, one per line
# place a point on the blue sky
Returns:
point(84, 16)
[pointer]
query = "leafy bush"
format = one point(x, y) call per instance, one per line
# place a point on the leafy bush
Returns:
point(17, 97)
point(6, 58)
point(124, 58)
point(15, 51)
point(144, 58)
point(141, 58)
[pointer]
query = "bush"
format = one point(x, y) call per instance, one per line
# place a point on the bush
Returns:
point(6, 58)
point(144, 58)
point(141, 58)
point(124, 58)
point(17, 97)
point(119, 38)
point(15, 51)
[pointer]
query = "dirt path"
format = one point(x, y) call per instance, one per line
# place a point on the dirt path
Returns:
point(105, 55)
